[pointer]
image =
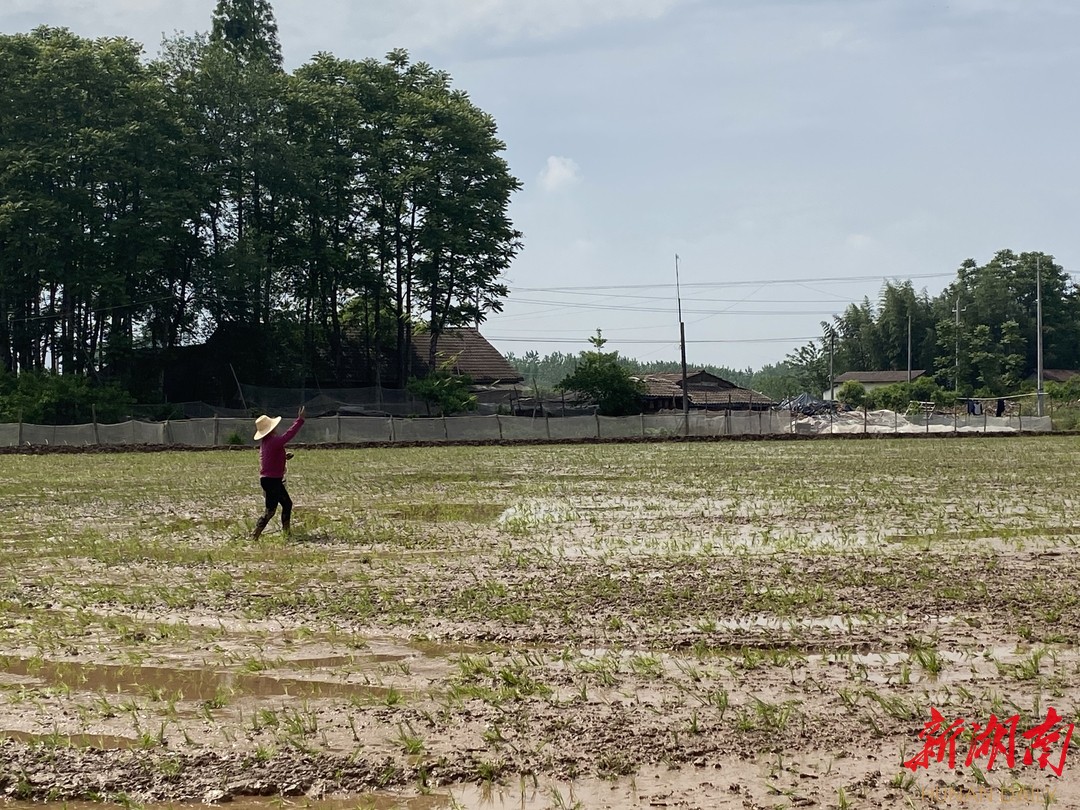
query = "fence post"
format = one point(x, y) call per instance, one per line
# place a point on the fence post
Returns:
point(597, 415)
point(499, 423)
point(166, 432)
point(393, 438)
point(641, 418)
point(984, 420)
point(864, 420)
point(339, 428)
point(93, 415)
point(1020, 417)
point(547, 425)
point(955, 426)
point(445, 430)
point(18, 437)
point(215, 431)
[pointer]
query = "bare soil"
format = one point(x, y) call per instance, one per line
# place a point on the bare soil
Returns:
point(618, 647)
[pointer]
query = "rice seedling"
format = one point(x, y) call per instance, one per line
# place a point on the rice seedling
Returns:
point(408, 741)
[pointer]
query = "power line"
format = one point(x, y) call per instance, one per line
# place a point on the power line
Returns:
point(832, 300)
point(670, 310)
point(722, 284)
point(565, 330)
point(673, 342)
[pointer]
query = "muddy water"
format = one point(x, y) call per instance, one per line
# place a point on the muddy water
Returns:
point(649, 789)
point(186, 684)
point(75, 740)
point(318, 673)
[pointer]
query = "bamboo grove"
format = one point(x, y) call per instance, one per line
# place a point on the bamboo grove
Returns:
point(150, 204)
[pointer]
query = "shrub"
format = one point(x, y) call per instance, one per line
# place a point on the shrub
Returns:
point(447, 391)
point(44, 398)
point(1066, 418)
point(852, 393)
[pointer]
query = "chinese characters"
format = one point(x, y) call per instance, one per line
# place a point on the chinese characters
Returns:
point(993, 743)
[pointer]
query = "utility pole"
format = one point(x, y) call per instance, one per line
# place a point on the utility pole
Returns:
point(832, 385)
point(832, 380)
point(682, 351)
point(1039, 337)
point(909, 349)
point(956, 379)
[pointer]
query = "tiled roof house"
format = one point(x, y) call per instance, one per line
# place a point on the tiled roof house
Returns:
point(706, 390)
point(468, 353)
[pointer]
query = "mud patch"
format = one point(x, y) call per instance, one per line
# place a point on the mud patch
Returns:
point(657, 626)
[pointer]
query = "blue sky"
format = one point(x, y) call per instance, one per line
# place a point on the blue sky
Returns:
point(793, 153)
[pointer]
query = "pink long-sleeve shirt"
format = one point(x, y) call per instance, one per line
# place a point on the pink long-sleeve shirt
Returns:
point(272, 451)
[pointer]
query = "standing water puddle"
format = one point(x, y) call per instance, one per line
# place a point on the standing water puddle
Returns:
point(102, 741)
point(187, 684)
point(651, 788)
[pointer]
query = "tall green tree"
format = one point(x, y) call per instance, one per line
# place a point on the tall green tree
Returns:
point(87, 211)
point(144, 205)
point(248, 31)
point(989, 349)
point(601, 378)
point(459, 236)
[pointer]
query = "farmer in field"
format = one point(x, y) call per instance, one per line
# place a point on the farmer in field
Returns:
point(272, 458)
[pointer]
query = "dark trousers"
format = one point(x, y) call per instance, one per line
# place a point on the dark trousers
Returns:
point(275, 492)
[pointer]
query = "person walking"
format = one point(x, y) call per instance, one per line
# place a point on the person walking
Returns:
point(272, 460)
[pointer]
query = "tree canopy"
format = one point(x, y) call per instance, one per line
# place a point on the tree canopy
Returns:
point(308, 219)
point(599, 377)
point(994, 350)
point(991, 352)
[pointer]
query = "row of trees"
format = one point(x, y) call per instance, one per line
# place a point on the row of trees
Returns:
point(545, 373)
point(145, 205)
point(977, 337)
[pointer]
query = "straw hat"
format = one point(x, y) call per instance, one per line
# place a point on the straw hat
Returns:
point(264, 425)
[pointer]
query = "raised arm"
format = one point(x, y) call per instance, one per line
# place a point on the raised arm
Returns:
point(295, 427)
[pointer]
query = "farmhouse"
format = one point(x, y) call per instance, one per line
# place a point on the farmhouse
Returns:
point(872, 379)
point(706, 392)
point(466, 352)
point(1058, 375)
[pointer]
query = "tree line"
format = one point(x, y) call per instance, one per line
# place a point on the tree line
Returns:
point(310, 221)
point(544, 373)
point(978, 337)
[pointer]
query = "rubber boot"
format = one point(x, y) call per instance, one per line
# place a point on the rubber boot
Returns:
point(260, 526)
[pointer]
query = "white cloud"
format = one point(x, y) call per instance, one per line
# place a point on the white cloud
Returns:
point(426, 22)
point(559, 173)
point(859, 241)
point(845, 38)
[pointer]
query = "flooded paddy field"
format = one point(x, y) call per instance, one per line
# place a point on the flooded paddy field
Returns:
point(744, 625)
